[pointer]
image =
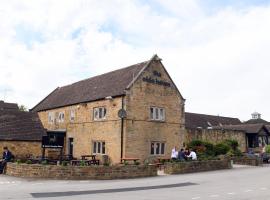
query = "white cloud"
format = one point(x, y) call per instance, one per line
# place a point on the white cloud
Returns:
point(219, 61)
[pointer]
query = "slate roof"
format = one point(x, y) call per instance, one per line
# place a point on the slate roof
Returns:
point(195, 120)
point(110, 84)
point(248, 128)
point(257, 121)
point(20, 126)
point(8, 106)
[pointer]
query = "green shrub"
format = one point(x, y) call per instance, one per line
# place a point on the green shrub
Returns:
point(137, 163)
point(125, 162)
point(221, 148)
point(232, 143)
point(28, 162)
point(82, 163)
point(44, 162)
point(202, 147)
point(65, 163)
point(267, 149)
point(19, 161)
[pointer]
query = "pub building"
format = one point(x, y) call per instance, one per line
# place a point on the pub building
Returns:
point(133, 112)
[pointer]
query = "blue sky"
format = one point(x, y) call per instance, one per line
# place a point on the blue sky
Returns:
point(213, 49)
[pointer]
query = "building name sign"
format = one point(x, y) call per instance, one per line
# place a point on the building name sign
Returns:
point(156, 79)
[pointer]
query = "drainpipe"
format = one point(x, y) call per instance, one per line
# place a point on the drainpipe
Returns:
point(122, 131)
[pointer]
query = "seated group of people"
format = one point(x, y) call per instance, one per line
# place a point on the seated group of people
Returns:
point(7, 157)
point(183, 155)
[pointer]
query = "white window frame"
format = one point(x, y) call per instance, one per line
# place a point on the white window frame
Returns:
point(99, 113)
point(51, 118)
point(61, 117)
point(158, 113)
point(157, 151)
point(98, 147)
point(72, 115)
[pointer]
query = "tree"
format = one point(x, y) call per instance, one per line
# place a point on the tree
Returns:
point(23, 108)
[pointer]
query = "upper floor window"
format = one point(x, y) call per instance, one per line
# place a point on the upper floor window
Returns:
point(100, 113)
point(98, 147)
point(157, 114)
point(72, 115)
point(61, 117)
point(51, 117)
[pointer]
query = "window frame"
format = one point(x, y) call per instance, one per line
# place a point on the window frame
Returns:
point(156, 116)
point(51, 117)
point(161, 147)
point(98, 147)
point(72, 115)
point(61, 119)
point(103, 111)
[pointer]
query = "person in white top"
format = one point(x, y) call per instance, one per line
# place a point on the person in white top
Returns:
point(174, 154)
point(192, 155)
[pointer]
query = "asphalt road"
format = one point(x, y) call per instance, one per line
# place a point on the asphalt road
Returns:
point(240, 183)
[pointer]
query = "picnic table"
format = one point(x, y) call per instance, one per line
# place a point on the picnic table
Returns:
point(79, 162)
point(163, 160)
point(129, 159)
point(92, 159)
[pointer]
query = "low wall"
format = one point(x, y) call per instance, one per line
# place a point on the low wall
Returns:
point(196, 166)
point(247, 161)
point(80, 172)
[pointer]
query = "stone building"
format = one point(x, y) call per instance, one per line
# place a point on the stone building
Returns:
point(20, 131)
point(136, 111)
point(214, 129)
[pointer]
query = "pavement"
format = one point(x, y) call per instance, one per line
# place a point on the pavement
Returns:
point(239, 183)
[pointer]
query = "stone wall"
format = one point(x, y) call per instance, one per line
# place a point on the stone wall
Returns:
point(80, 172)
point(196, 166)
point(216, 136)
point(247, 161)
point(22, 149)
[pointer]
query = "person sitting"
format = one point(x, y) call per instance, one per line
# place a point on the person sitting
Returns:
point(7, 157)
point(192, 155)
point(181, 155)
point(174, 154)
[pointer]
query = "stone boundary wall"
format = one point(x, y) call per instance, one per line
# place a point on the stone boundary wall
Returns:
point(216, 136)
point(80, 172)
point(247, 161)
point(196, 166)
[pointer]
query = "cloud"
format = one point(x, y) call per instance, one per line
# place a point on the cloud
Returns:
point(218, 59)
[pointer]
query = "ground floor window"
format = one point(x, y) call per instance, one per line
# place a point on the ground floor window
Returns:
point(98, 147)
point(157, 148)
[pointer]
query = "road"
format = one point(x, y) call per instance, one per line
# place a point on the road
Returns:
point(240, 183)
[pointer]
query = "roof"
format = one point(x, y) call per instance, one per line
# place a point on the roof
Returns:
point(20, 126)
point(110, 84)
point(195, 120)
point(9, 106)
point(248, 128)
point(257, 121)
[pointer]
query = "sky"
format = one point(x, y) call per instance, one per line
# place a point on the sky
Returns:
point(217, 52)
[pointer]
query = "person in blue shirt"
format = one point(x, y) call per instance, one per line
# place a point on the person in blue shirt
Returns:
point(181, 155)
point(7, 157)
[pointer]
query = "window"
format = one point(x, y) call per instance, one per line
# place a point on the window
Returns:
point(99, 113)
point(98, 147)
point(157, 114)
point(72, 115)
point(61, 117)
point(50, 117)
point(157, 148)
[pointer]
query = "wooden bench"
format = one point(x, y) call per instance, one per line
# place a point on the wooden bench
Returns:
point(93, 160)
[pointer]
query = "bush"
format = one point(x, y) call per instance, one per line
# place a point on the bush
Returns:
point(82, 163)
point(19, 161)
point(44, 162)
point(267, 149)
point(65, 163)
point(221, 149)
point(137, 163)
point(28, 162)
point(202, 147)
point(232, 143)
